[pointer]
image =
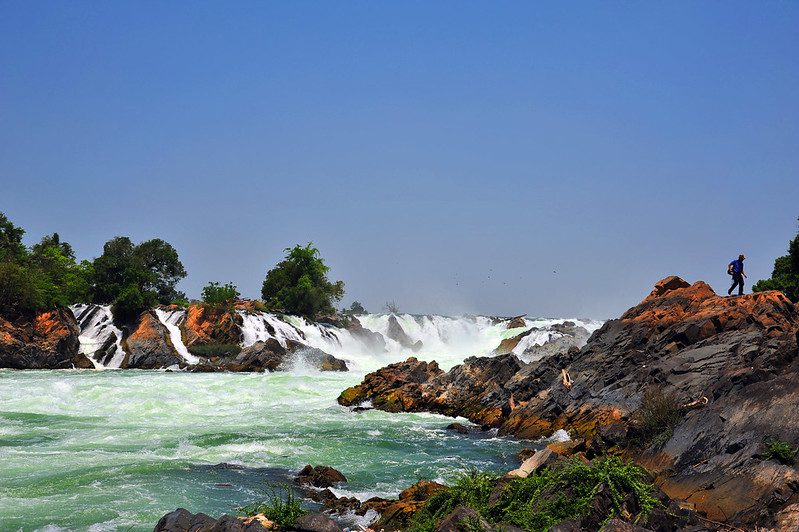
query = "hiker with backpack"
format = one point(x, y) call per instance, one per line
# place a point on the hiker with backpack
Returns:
point(736, 269)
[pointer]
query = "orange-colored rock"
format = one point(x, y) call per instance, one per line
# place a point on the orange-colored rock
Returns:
point(47, 341)
point(211, 325)
point(149, 345)
point(396, 515)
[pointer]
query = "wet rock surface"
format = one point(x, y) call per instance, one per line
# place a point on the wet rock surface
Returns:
point(731, 363)
point(149, 345)
point(46, 340)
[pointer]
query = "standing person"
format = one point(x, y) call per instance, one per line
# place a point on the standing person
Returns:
point(736, 269)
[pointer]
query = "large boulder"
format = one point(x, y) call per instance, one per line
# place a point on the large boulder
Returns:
point(320, 476)
point(47, 340)
point(208, 325)
point(181, 520)
point(149, 345)
point(398, 334)
point(395, 388)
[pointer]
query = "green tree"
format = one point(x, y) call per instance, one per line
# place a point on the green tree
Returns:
point(785, 276)
point(299, 284)
point(356, 308)
point(11, 247)
point(62, 281)
point(134, 278)
point(220, 294)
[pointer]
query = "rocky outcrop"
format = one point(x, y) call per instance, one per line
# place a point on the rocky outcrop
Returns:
point(373, 340)
point(270, 355)
point(208, 325)
point(181, 520)
point(559, 338)
point(320, 476)
point(730, 363)
point(149, 345)
point(48, 340)
point(398, 334)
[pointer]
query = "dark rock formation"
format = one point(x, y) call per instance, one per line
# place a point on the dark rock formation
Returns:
point(373, 340)
point(316, 522)
point(398, 334)
point(320, 476)
point(181, 520)
point(732, 363)
point(48, 340)
point(462, 518)
point(149, 346)
point(397, 514)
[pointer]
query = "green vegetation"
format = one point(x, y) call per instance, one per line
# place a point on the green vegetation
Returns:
point(299, 284)
point(785, 276)
point(220, 294)
point(134, 278)
point(282, 507)
point(355, 308)
point(131, 277)
point(545, 498)
point(653, 423)
point(779, 450)
point(42, 277)
point(215, 350)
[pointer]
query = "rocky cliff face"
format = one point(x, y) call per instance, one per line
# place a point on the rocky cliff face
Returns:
point(49, 340)
point(206, 325)
point(149, 346)
point(730, 363)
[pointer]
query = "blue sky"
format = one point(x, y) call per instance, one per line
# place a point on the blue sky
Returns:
point(449, 156)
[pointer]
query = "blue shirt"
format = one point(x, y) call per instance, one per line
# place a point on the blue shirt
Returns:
point(737, 266)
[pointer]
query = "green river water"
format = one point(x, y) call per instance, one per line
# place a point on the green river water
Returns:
point(115, 450)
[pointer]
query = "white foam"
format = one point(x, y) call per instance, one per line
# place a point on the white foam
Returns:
point(171, 320)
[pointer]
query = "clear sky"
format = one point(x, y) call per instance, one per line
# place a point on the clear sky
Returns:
point(483, 157)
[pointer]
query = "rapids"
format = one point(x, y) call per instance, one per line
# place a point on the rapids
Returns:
point(115, 450)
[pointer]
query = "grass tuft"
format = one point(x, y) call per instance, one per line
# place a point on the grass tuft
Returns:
point(779, 450)
point(282, 507)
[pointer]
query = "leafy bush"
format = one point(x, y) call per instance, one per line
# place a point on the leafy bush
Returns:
point(785, 276)
point(215, 350)
point(19, 292)
point(299, 284)
point(544, 498)
point(653, 423)
point(220, 294)
point(779, 450)
point(470, 489)
point(282, 507)
point(356, 308)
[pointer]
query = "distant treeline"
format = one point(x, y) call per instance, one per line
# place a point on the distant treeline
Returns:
point(135, 277)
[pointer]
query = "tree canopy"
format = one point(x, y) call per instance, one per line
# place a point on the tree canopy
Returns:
point(220, 294)
point(134, 278)
point(785, 275)
point(299, 284)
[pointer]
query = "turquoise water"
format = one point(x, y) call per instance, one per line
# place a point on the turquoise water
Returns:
point(115, 450)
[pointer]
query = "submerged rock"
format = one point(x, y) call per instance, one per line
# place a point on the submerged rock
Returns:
point(320, 476)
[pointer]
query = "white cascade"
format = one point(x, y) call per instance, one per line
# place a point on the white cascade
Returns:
point(171, 320)
point(96, 330)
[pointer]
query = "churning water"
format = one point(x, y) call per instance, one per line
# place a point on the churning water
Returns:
point(115, 450)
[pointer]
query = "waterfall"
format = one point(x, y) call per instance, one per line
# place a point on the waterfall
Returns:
point(100, 340)
point(171, 320)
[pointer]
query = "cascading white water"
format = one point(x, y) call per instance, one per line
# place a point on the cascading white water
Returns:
point(96, 331)
point(447, 340)
point(171, 320)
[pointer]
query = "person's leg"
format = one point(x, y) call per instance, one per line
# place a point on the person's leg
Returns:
point(734, 282)
point(740, 284)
